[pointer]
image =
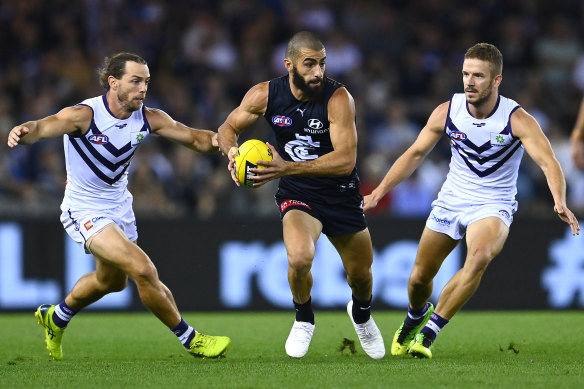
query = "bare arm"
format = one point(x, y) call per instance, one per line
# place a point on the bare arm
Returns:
point(66, 121)
point(409, 161)
point(343, 133)
point(340, 161)
point(253, 105)
point(161, 123)
point(578, 139)
point(526, 128)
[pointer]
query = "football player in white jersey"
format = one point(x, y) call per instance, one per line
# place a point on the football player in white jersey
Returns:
point(99, 143)
point(487, 133)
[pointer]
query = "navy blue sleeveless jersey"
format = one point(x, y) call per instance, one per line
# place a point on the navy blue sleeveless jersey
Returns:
point(302, 134)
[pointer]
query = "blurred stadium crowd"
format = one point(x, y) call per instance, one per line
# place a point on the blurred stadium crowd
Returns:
point(399, 59)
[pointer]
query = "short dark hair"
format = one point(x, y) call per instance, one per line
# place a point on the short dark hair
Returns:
point(489, 53)
point(302, 40)
point(116, 66)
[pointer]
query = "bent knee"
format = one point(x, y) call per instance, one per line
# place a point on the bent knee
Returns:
point(145, 272)
point(420, 278)
point(477, 261)
point(359, 277)
point(118, 285)
point(112, 284)
point(300, 258)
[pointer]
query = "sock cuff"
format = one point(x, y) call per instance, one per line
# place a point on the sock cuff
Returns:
point(416, 314)
point(439, 320)
point(359, 303)
point(180, 328)
point(303, 305)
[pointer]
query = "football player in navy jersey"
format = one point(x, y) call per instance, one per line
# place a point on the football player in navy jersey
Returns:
point(488, 133)
point(101, 135)
point(313, 118)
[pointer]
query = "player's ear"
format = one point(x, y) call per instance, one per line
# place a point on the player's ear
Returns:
point(288, 64)
point(113, 82)
point(498, 80)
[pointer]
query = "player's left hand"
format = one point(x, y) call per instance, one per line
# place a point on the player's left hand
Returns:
point(271, 170)
point(231, 165)
point(567, 216)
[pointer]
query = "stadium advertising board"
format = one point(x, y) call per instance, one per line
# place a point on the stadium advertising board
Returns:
point(227, 265)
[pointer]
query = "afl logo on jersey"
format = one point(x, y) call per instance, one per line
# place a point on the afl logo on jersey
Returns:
point(99, 139)
point(282, 121)
point(457, 135)
point(315, 124)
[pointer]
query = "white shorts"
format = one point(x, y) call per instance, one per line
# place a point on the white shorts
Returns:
point(454, 223)
point(81, 224)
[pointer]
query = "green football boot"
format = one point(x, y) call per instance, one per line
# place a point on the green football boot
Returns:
point(420, 347)
point(403, 337)
point(53, 334)
point(207, 346)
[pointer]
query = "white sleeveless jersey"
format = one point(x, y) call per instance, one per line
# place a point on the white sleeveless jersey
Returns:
point(97, 162)
point(485, 156)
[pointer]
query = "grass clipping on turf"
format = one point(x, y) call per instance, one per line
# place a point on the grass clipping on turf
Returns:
point(347, 346)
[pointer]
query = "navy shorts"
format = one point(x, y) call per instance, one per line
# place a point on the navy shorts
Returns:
point(341, 218)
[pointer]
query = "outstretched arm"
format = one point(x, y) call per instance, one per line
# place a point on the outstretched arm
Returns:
point(253, 105)
point(66, 121)
point(161, 123)
point(537, 145)
point(409, 161)
point(577, 139)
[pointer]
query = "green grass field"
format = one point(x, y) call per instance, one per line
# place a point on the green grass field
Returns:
point(477, 349)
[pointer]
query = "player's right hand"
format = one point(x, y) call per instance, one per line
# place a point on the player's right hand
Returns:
point(16, 134)
point(369, 202)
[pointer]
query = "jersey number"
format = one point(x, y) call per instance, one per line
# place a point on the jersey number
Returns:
point(301, 149)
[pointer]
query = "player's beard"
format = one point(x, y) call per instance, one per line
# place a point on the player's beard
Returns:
point(312, 93)
point(127, 104)
point(483, 97)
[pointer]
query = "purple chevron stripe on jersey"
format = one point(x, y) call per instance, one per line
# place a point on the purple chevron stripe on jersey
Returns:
point(110, 147)
point(97, 155)
point(467, 142)
point(493, 168)
point(95, 169)
point(481, 160)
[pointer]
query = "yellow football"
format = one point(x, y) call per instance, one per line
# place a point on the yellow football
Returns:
point(248, 154)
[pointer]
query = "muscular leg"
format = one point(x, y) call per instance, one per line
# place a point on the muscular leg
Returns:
point(301, 231)
point(484, 239)
point(356, 252)
point(93, 286)
point(433, 249)
point(116, 255)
